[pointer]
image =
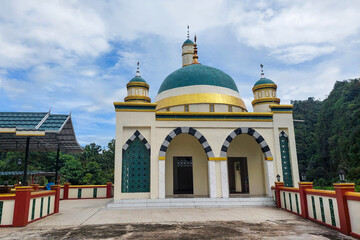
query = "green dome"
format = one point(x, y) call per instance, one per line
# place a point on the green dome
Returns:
point(188, 41)
point(264, 81)
point(197, 74)
point(137, 79)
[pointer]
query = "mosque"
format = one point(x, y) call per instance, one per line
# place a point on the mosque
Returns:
point(198, 139)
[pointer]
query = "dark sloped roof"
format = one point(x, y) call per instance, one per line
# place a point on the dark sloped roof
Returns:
point(21, 120)
point(47, 132)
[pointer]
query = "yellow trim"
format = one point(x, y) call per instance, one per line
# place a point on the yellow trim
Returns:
point(8, 130)
point(306, 183)
point(161, 158)
point(217, 158)
point(265, 114)
point(282, 112)
point(268, 85)
point(134, 110)
point(137, 97)
point(281, 106)
point(319, 191)
point(30, 134)
point(42, 192)
point(355, 194)
point(269, 158)
point(268, 99)
point(343, 184)
point(198, 98)
point(7, 195)
point(134, 104)
point(137, 84)
point(196, 119)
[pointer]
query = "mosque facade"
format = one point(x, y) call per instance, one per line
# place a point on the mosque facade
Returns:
point(198, 138)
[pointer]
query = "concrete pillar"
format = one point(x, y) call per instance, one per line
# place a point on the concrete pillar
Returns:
point(340, 190)
point(269, 171)
point(277, 192)
point(161, 177)
point(212, 179)
point(108, 189)
point(303, 199)
point(22, 205)
point(57, 197)
point(66, 190)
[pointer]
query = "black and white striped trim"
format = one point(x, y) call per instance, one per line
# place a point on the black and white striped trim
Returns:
point(244, 130)
point(283, 134)
point(188, 130)
point(132, 138)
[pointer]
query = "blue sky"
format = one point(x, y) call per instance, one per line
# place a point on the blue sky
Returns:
point(77, 56)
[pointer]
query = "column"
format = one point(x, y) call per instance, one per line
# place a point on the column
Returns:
point(224, 178)
point(277, 192)
point(161, 177)
point(303, 199)
point(22, 205)
point(66, 191)
point(57, 197)
point(269, 168)
point(108, 189)
point(340, 190)
point(212, 178)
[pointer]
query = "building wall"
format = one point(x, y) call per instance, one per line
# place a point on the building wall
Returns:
point(185, 145)
point(215, 132)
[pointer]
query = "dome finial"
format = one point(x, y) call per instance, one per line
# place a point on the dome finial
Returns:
point(138, 69)
point(262, 71)
point(188, 34)
point(195, 57)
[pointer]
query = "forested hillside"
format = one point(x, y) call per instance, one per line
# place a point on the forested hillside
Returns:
point(329, 139)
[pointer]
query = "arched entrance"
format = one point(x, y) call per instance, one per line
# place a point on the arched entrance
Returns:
point(186, 152)
point(246, 150)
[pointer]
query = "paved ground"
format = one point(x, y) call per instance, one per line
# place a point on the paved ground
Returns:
point(89, 219)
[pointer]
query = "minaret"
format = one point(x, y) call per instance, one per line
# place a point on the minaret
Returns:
point(264, 93)
point(187, 50)
point(137, 89)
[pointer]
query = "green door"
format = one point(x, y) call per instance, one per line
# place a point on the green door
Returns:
point(136, 168)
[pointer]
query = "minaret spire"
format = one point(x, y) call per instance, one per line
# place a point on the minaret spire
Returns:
point(188, 34)
point(262, 71)
point(138, 69)
point(195, 57)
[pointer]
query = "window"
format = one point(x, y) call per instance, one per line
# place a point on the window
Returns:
point(230, 109)
point(168, 109)
point(212, 108)
point(186, 108)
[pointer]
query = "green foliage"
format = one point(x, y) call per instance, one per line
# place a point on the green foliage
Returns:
point(95, 165)
point(329, 139)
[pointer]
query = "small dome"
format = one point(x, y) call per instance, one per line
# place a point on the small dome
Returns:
point(197, 74)
point(263, 81)
point(137, 79)
point(187, 42)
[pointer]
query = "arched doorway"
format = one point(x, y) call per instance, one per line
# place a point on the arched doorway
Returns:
point(186, 152)
point(245, 166)
point(246, 150)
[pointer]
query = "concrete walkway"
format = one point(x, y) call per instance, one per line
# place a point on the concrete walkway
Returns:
point(90, 219)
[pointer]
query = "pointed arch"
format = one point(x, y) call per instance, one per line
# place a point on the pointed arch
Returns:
point(135, 170)
point(189, 130)
point(132, 138)
point(245, 130)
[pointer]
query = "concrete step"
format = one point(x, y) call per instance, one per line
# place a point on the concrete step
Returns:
point(191, 203)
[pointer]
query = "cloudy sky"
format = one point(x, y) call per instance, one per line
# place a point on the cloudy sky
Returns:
point(78, 55)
